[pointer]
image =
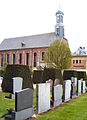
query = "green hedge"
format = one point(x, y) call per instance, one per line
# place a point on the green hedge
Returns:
point(81, 74)
point(67, 74)
point(38, 76)
point(41, 76)
point(16, 71)
point(1, 73)
point(51, 73)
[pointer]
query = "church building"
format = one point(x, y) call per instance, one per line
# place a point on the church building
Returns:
point(29, 50)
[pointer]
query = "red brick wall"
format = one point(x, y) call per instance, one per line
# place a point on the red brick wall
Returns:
point(23, 51)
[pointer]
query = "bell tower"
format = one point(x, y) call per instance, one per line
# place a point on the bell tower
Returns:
point(59, 27)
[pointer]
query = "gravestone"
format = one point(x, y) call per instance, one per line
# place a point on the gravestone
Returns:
point(73, 90)
point(79, 88)
point(51, 83)
point(83, 87)
point(57, 95)
point(23, 104)
point(66, 90)
point(17, 84)
point(73, 87)
point(42, 97)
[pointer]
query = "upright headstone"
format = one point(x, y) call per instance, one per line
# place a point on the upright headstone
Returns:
point(17, 84)
point(51, 83)
point(57, 95)
point(66, 90)
point(73, 90)
point(23, 104)
point(79, 88)
point(42, 97)
point(73, 87)
point(83, 87)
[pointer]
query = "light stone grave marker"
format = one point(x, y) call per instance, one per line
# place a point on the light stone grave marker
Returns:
point(79, 88)
point(42, 97)
point(83, 87)
point(57, 95)
point(17, 84)
point(67, 90)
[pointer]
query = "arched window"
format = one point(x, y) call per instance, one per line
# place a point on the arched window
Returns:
point(35, 59)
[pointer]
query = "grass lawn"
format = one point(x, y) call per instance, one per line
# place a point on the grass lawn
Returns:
point(74, 110)
point(8, 103)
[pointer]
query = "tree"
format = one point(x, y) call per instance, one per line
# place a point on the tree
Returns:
point(58, 55)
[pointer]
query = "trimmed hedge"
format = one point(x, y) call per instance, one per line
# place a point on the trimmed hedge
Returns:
point(67, 74)
point(38, 76)
point(41, 76)
point(81, 74)
point(16, 71)
point(51, 73)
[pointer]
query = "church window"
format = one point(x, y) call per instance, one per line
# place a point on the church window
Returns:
point(8, 58)
point(42, 56)
point(58, 19)
point(57, 30)
point(35, 59)
point(13, 58)
point(20, 58)
point(2, 60)
point(27, 58)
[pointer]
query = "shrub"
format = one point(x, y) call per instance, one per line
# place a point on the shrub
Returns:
point(16, 71)
point(1, 73)
point(51, 73)
point(81, 74)
point(38, 76)
point(67, 74)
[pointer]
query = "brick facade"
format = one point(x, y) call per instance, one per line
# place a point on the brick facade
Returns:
point(31, 51)
point(79, 62)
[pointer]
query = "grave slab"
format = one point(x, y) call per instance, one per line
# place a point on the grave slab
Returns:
point(66, 90)
point(83, 87)
point(57, 95)
point(42, 97)
point(79, 88)
point(23, 99)
point(17, 84)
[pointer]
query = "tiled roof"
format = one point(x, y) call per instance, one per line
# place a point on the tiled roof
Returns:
point(82, 51)
point(34, 41)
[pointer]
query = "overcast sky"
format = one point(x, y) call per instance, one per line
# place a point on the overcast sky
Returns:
point(30, 17)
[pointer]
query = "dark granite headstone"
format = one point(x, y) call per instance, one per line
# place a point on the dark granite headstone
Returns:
point(23, 99)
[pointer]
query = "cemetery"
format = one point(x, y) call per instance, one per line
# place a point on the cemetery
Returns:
point(50, 94)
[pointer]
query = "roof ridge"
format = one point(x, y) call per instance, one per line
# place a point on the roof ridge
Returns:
point(29, 35)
